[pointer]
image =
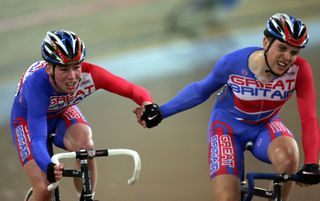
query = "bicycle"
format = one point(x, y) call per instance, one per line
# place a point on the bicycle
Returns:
point(83, 172)
point(248, 188)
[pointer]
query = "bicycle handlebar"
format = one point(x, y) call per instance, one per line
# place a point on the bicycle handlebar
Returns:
point(55, 159)
point(84, 154)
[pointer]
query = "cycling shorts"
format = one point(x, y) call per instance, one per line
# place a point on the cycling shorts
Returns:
point(227, 138)
point(57, 124)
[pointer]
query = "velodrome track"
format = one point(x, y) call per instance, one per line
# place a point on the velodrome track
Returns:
point(174, 155)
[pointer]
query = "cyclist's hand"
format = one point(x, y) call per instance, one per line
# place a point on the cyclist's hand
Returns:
point(139, 111)
point(309, 174)
point(151, 115)
point(54, 172)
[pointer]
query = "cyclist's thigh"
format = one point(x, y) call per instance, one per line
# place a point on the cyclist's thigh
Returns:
point(225, 151)
point(66, 121)
point(271, 131)
point(21, 139)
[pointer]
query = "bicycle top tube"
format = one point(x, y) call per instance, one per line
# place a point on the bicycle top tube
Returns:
point(91, 153)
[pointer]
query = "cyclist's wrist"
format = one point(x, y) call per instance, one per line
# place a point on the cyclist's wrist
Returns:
point(146, 103)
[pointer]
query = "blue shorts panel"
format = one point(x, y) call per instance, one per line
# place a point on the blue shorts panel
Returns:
point(228, 136)
point(275, 128)
point(57, 124)
point(62, 122)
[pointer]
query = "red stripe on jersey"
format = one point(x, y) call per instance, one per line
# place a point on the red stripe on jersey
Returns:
point(254, 106)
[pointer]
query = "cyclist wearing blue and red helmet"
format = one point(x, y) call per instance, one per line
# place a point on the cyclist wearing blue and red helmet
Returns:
point(255, 84)
point(46, 102)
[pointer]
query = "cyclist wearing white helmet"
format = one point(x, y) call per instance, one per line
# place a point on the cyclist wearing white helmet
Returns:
point(46, 102)
point(255, 84)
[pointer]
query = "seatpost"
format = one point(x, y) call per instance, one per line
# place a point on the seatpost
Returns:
point(248, 147)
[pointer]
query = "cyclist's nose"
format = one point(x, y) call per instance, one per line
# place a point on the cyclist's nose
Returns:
point(287, 56)
point(72, 74)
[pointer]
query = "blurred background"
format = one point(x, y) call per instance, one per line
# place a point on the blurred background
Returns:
point(162, 46)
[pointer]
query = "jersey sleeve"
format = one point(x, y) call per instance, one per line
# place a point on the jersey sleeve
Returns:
point(197, 92)
point(104, 79)
point(306, 100)
point(37, 104)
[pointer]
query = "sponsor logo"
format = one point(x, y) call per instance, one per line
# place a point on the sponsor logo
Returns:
point(277, 126)
point(150, 118)
point(214, 158)
point(57, 102)
point(22, 143)
point(71, 113)
point(222, 153)
point(278, 89)
point(227, 154)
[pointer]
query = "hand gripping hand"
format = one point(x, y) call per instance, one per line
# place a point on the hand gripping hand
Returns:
point(309, 174)
point(151, 115)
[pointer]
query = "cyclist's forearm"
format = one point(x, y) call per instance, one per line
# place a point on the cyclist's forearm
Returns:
point(40, 154)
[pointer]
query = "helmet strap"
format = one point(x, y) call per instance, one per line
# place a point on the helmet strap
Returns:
point(269, 70)
point(53, 75)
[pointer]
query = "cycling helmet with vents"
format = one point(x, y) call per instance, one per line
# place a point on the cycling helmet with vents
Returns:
point(63, 47)
point(288, 29)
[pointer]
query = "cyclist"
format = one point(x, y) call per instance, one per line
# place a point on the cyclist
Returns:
point(46, 102)
point(255, 84)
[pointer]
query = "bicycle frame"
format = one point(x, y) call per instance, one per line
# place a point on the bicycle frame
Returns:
point(248, 188)
point(83, 155)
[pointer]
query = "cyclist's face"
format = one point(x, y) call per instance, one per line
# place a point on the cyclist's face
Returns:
point(67, 77)
point(281, 56)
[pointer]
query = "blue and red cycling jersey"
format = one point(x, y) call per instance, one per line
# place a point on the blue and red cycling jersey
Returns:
point(246, 99)
point(36, 104)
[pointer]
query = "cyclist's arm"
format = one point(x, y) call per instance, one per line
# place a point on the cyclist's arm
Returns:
point(197, 92)
point(306, 100)
point(103, 79)
point(37, 105)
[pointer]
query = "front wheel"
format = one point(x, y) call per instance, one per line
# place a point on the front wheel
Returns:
point(28, 194)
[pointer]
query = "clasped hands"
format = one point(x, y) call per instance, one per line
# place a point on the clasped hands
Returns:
point(148, 115)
